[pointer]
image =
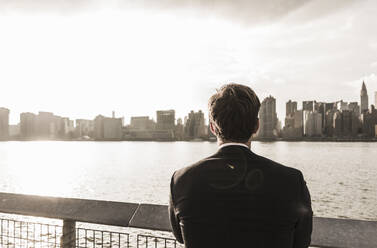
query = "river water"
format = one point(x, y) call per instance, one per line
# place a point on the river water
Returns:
point(342, 177)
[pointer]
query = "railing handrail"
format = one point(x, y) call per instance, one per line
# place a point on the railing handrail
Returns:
point(327, 232)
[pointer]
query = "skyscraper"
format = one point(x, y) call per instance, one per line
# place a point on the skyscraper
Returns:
point(4, 123)
point(165, 119)
point(195, 125)
point(308, 105)
point(312, 121)
point(28, 125)
point(290, 108)
point(363, 98)
point(268, 118)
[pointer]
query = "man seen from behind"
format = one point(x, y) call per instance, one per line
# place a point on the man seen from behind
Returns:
point(236, 198)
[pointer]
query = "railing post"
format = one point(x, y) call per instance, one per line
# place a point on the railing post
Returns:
point(68, 239)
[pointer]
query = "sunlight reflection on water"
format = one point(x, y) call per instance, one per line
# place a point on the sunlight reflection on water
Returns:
point(341, 176)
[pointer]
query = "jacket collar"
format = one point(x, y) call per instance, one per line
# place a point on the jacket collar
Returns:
point(232, 144)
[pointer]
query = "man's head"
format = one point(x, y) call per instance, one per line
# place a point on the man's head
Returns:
point(233, 113)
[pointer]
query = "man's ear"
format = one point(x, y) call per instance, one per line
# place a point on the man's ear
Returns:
point(212, 128)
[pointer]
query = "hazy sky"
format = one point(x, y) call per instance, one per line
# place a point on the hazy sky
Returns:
point(81, 58)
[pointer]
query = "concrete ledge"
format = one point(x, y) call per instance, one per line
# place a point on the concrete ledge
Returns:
point(91, 211)
point(327, 232)
point(342, 233)
point(154, 217)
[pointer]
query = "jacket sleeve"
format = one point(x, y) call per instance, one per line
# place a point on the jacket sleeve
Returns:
point(304, 225)
point(174, 220)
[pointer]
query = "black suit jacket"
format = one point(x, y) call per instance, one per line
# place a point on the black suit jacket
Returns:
point(236, 198)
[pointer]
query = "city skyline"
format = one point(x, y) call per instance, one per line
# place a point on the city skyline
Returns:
point(103, 56)
point(127, 117)
point(316, 119)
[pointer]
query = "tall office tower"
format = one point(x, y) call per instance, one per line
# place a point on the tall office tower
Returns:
point(340, 105)
point(268, 118)
point(28, 125)
point(45, 124)
point(320, 107)
point(337, 124)
point(4, 123)
point(329, 106)
point(329, 123)
point(354, 107)
point(308, 105)
point(347, 122)
point(195, 125)
point(363, 99)
point(312, 123)
point(290, 108)
point(165, 120)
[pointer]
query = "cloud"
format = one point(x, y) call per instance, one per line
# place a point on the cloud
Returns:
point(242, 11)
point(44, 6)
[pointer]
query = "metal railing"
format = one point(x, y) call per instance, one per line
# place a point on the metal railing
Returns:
point(327, 232)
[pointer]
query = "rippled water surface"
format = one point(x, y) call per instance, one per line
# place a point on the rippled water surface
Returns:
point(342, 177)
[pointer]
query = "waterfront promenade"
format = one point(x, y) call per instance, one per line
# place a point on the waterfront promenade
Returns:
point(327, 232)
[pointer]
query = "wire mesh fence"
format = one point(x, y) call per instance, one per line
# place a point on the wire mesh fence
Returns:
point(15, 233)
point(87, 238)
point(148, 241)
point(25, 234)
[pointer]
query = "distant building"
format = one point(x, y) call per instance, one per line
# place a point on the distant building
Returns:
point(141, 123)
point(98, 127)
point(65, 128)
point(45, 122)
point(312, 123)
point(363, 99)
point(347, 123)
point(320, 107)
point(299, 122)
point(14, 131)
point(369, 121)
point(268, 118)
point(340, 105)
point(141, 128)
point(179, 132)
point(290, 108)
point(47, 126)
point(375, 99)
point(329, 106)
point(4, 123)
point(84, 128)
point(354, 107)
point(308, 105)
point(329, 122)
point(293, 127)
point(106, 128)
point(165, 119)
point(289, 121)
point(112, 129)
point(195, 125)
point(337, 124)
point(28, 125)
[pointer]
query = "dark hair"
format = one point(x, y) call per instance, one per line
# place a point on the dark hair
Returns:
point(233, 111)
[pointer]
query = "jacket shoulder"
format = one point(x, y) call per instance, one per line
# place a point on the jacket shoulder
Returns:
point(278, 167)
point(191, 170)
